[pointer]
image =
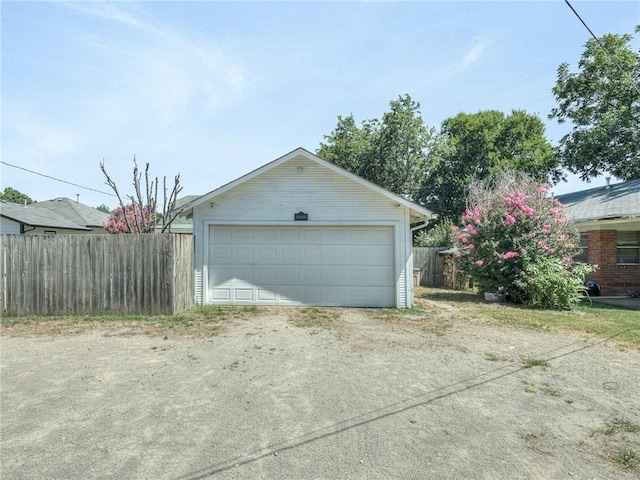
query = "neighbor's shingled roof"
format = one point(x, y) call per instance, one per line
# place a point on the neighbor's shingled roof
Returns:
point(621, 200)
point(37, 217)
point(73, 211)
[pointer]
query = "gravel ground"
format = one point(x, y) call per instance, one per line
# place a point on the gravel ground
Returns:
point(355, 396)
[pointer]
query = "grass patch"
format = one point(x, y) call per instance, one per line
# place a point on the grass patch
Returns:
point(530, 362)
point(314, 317)
point(80, 319)
point(619, 324)
point(424, 319)
point(416, 310)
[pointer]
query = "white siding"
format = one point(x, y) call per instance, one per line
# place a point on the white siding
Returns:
point(297, 185)
point(8, 226)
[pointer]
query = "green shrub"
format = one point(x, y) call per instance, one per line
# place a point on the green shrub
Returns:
point(441, 235)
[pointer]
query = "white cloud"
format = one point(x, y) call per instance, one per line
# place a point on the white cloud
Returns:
point(474, 54)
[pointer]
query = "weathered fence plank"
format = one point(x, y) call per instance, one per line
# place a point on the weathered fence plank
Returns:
point(431, 265)
point(96, 274)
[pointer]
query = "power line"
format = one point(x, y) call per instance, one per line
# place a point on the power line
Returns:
point(613, 59)
point(56, 179)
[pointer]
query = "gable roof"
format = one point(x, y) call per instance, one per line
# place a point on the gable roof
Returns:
point(74, 211)
point(618, 201)
point(418, 212)
point(37, 217)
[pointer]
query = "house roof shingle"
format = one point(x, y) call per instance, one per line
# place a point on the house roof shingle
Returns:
point(620, 200)
point(74, 211)
point(37, 217)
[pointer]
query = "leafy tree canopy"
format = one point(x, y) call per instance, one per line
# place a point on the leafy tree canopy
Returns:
point(103, 208)
point(602, 102)
point(478, 146)
point(14, 196)
point(391, 152)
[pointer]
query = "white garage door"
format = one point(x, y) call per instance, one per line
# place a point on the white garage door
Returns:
point(331, 266)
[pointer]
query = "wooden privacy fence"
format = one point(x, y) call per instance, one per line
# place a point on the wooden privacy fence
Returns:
point(431, 266)
point(147, 274)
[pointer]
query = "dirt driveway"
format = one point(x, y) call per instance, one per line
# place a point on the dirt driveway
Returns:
point(356, 396)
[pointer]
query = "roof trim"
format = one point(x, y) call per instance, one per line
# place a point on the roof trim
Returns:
point(414, 207)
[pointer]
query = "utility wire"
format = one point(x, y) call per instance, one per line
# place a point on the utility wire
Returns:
point(56, 179)
point(613, 59)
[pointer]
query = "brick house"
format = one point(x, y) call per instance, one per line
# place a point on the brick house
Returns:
point(608, 219)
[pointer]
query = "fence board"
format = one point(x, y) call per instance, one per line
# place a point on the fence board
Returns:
point(96, 274)
point(431, 265)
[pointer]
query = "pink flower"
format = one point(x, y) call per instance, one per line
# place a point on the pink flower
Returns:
point(533, 235)
point(471, 246)
point(479, 263)
point(508, 219)
point(463, 239)
point(500, 289)
point(509, 255)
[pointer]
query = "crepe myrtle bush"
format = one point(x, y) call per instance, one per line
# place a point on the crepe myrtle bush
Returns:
point(131, 219)
point(516, 240)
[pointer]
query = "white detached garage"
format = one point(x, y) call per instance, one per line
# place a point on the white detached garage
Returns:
point(302, 231)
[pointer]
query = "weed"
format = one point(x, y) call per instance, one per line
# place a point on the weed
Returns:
point(250, 309)
point(553, 392)
point(313, 317)
point(529, 387)
point(529, 362)
point(492, 357)
point(620, 425)
point(627, 459)
point(232, 365)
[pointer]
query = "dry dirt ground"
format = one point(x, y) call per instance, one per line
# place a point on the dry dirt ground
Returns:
point(316, 393)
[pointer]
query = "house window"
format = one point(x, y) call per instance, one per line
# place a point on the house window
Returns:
point(628, 247)
point(583, 254)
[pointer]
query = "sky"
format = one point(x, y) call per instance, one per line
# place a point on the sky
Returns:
point(213, 90)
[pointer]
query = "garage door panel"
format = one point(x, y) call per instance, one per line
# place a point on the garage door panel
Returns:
point(244, 254)
point(312, 256)
point(223, 235)
point(221, 294)
point(266, 255)
point(266, 295)
point(267, 235)
point(243, 294)
point(333, 266)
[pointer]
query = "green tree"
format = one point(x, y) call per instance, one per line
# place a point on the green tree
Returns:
point(602, 103)
point(477, 146)
point(391, 152)
point(14, 196)
point(103, 208)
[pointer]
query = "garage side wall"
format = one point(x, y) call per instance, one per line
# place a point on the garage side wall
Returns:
point(301, 185)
